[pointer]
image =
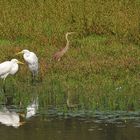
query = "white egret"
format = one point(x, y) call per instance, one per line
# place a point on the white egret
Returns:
point(8, 67)
point(31, 60)
point(57, 56)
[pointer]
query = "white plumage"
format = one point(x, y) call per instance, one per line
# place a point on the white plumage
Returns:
point(9, 67)
point(31, 59)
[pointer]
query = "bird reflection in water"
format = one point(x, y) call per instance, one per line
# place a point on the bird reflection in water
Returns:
point(32, 108)
point(14, 119)
point(72, 100)
point(10, 118)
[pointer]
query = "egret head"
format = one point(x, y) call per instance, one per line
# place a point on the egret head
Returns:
point(16, 61)
point(23, 52)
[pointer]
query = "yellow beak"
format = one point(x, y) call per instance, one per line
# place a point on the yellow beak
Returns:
point(19, 53)
point(22, 114)
point(22, 123)
point(20, 63)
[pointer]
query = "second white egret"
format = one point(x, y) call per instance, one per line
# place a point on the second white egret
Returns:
point(32, 61)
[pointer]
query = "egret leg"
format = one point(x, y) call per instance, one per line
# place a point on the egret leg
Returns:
point(8, 99)
point(4, 88)
point(33, 78)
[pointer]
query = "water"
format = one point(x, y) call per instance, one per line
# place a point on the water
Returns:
point(73, 126)
point(52, 123)
point(41, 128)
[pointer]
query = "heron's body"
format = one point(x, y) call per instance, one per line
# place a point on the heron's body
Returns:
point(8, 67)
point(58, 55)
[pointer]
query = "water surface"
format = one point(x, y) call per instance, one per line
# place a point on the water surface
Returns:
point(52, 127)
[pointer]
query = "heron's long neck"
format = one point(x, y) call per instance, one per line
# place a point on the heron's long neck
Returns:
point(67, 44)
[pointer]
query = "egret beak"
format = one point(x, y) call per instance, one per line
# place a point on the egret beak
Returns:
point(22, 115)
point(21, 123)
point(19, 53)
point(20, 63)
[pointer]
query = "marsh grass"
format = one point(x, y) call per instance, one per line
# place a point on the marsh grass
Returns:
point(97, 73)
point(101, 69)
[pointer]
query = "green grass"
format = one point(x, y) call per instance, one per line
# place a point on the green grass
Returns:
point(97, 73)
point(43, 19)
point(101, 69)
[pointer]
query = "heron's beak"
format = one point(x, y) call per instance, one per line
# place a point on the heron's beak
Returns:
point(19, 53)
point(20, 63)
point(72, 32)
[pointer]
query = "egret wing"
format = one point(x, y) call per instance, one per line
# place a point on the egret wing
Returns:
point(30, 59)
point(5, 67)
